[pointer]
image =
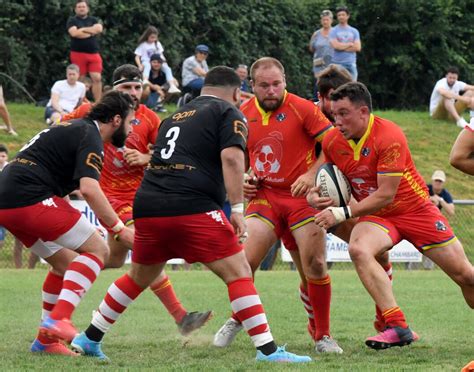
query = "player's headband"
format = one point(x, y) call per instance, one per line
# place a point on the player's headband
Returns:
point(124, 80)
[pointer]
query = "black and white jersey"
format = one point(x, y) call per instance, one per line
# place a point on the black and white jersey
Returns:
point(52, 163)
point(185, 173)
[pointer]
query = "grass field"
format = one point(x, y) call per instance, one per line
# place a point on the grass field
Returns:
point(145, 337)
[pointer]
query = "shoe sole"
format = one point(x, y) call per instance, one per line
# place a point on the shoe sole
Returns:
point(379, 345)
point(187, 333)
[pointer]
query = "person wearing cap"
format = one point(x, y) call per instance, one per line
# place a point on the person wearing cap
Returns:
point(195, 69)
point(158, 88)
point(439, 195)
point(345, 40)
point(447, 102)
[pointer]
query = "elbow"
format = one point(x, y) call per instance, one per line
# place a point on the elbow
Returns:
point(87, 191)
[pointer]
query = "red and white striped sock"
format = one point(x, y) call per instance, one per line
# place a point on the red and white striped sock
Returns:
point(120, 294)
point(51, 288)
point(309, 309)
point(79, 276)
point(247, 307)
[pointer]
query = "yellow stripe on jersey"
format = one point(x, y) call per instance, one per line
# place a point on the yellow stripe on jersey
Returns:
point(439, 245)
point(415, 186)
point(261, 218)
point(390, 174)
point(266, 115)
point(357, 147)
point(320, 136)
point(301, 223)
point(384, 229)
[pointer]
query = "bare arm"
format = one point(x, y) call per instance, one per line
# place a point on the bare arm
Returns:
point(138, 61)
point(78, 33)
point(310, 46)
point(199, 71)
point(55, 103)
point(233, 168)
point(305, 182)
point(462, 153)
point(346, 47)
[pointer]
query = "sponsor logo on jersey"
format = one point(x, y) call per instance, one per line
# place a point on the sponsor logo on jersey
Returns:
point(281, 116)
point(365, 151)
point(95, 161)
point(183, 115)
point(440, 226)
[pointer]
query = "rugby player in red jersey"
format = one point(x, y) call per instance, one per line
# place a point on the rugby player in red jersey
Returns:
point(197, 159)
point(283, 130)
point(52, 164)
point(120, 178)
point(393, 204)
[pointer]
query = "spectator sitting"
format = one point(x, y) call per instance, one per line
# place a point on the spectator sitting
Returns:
point(439, 195)
point(6, 115)
point(148, 45)
point(446, 101)
point(245, 89)
point(195, 69)
point(157, 89)
point(66, 95)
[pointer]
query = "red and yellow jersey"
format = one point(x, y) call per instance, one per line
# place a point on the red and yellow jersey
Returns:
point(382, 151)
point(118, 179)
point(281, 142)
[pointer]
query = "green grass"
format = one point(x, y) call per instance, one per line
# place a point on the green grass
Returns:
point(145, 337)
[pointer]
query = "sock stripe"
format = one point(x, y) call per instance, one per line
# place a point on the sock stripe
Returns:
point(160, 286)
point(108, 312)
point(255, 321)
point(262, 338)
point(50, 298)
point(245, 302)
point(119, 296)
point(78, 278)
point(113, 304)
point(390, 311)
point(70, 296)
point(323, 281)
point(90, 261)
point(304, 296)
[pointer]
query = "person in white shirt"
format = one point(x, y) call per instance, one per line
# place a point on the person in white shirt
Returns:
point(148, 45)
point(66, 95)
point(447, 102)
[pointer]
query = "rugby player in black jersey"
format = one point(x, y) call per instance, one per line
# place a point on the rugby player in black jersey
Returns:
point(198, 157)
point(52, 164)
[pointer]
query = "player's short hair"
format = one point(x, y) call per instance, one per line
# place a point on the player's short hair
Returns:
point(222, 76)
point(265, 62)
point(452, 70)
point(126, 73)
point(73, 67)
point(112, 103)
point(356, 92)
point(3, 148)
point(332, 77)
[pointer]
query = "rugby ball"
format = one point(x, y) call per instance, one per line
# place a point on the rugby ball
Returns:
point(333, 184)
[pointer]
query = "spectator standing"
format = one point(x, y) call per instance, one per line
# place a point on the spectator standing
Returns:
point(5, 115)
point(320, 44)
point(66, 95)
point(148, 45)
point(446, 100)
point(345, 40)
point(195, 69)
point(83, 30)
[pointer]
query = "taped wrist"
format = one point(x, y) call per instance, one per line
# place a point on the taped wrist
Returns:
point(341, 213)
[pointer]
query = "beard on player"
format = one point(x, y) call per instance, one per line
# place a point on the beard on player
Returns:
point(120, 136)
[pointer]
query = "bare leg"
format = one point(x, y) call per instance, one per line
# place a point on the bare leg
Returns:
point(96, 85)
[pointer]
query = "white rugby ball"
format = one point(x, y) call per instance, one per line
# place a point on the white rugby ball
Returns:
point(333, 184)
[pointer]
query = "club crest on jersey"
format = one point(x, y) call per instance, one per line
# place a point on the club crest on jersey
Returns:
point(440, 226)
point(281, 116)
point(135, 121)
point(365, 151)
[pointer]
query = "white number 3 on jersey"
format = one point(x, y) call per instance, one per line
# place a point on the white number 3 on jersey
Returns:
point(172, 134)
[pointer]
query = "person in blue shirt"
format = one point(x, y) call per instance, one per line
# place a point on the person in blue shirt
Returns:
point(345, 40)
point(439, 195)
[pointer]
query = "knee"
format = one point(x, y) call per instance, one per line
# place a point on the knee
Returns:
point(465, 278)
point(357, 252)
point(114, 261)
point(315, 266)
point(96, 78)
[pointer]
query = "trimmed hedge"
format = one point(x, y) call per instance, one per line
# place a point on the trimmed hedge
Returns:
point(406, 45)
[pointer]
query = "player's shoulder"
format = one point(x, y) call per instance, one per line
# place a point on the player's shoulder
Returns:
point(300, 103)
point(143, 113)
point(383, 125)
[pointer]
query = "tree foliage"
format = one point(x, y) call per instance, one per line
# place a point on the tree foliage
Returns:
point(406, 44)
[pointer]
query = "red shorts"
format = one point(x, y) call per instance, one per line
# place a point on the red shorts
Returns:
point(202, 237)
point(52, 220)
point(425, 228)
point(87, 62)
point(123, 208)
point(282, 212)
